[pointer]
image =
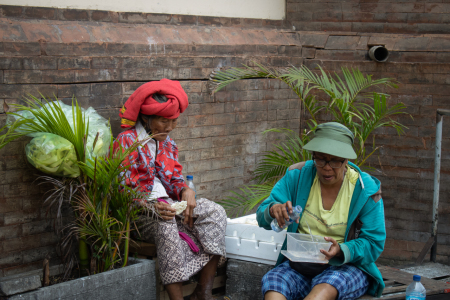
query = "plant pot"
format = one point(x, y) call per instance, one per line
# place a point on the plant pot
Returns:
point(136, 281)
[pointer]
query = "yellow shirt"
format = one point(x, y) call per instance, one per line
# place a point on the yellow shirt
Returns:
point(331, 223)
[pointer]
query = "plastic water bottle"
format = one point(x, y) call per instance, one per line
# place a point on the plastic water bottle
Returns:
point(190, 183)
point(296, 211)
point(416, 291)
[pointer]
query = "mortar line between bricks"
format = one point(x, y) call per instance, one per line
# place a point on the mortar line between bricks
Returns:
point(119, 81)
point(100, 81)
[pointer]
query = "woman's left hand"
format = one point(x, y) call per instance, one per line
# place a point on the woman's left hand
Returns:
point(335, 249)
point(188, 195)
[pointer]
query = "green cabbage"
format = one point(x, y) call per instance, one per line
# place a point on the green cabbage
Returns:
point(52, 155)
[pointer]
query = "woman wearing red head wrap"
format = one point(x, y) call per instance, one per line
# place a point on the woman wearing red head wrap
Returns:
point(193, 241)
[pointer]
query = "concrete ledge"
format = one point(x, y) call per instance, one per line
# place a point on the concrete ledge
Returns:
point(136, 281)
point(11, 286)
point(244, 279)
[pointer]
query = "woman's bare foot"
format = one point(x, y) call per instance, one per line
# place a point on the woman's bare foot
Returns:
point(203, 290)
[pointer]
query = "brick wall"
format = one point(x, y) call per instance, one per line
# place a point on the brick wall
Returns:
point(385, 16)
point(102, 63)
point(405, 165)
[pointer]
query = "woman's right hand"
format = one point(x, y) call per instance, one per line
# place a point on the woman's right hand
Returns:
point(280, 212)
point(165, 211)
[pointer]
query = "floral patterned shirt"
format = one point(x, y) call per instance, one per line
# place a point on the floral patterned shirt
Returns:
point(143, 171)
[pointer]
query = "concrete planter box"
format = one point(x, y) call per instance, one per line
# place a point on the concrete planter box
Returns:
point(136, 281)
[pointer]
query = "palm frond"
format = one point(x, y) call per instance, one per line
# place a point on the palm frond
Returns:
point(219, 79)
point(343, 92)
point(275, 163)
point(245, 200)
point(355, 82)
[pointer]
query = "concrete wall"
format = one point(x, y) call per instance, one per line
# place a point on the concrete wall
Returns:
point(259, 9)
point(381, 16)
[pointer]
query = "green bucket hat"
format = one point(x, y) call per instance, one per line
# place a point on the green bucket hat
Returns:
point(334, 139)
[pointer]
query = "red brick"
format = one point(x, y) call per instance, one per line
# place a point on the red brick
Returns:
point(440, 8)
point(396, 244)
point(10, 232)
point(158, 18)
point(214, 21)
point(20, 49)
point(357, 16)
point(12, 11)
point(415, 57)
point(105, 89)
point(11, 259)
point(40, 13)
point(336, 26)
point(433, 28)
point(412, 44)
point(342, 42)
point(317, 6)
point(104, 16)
point(393, 7)
point(131, 17)
point(439, 44)
point(235, 106)
point(22, 268)
point(437, 68)
point(273, 23)
point(425, 18)
point(185, 19)
point(401, 255)
point(348, 55)
point(73, 14)
point(200, 120)
point(400, 28)
point(367, 27)
point(307, 26)
point(327, 16)
point(415, 246)
point(388, 17)
point(441, 101)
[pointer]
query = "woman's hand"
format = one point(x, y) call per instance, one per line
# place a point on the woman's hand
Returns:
point(188, 195)
point(335, 249)
point(165, 211)
point(280, 212)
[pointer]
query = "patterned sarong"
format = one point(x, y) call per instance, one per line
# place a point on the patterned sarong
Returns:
point(176, 260)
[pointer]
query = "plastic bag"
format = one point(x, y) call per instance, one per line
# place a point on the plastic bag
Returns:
point(97, 124)
point(52, 155)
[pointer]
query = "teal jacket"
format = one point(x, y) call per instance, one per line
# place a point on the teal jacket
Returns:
point(366, 232)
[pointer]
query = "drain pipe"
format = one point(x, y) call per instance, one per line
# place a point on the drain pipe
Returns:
point(437, 178)
point(378, 53)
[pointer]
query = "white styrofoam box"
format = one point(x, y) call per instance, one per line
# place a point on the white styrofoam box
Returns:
point(245, 240)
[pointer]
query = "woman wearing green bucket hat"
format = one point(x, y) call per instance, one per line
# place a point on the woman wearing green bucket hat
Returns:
point(340, 203)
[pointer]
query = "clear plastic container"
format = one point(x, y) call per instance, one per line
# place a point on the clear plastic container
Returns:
point(306, 248)
point(416, 291)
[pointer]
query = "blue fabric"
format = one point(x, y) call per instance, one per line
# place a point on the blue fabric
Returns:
point(349, 281)
point(362, 252)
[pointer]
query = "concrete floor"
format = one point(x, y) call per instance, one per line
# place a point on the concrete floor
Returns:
point(432, 270)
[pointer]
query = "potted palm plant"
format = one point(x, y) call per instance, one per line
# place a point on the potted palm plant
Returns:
point(88, 178)
point(349, 100)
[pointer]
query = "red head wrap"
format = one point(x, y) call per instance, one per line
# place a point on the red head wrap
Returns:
point(141, 101)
